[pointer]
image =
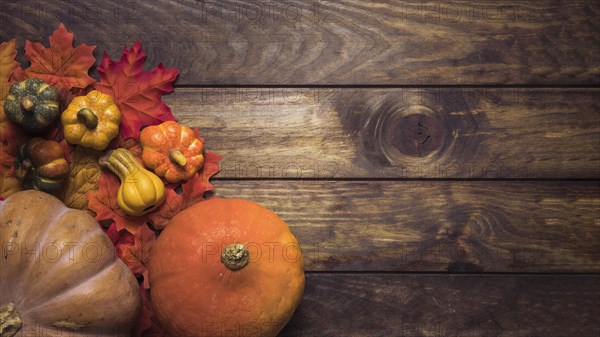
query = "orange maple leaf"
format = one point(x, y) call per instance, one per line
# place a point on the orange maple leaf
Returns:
point(11, 135)
point(210, 168)
point(60, 64)
point(182, 196)
point(136, 92)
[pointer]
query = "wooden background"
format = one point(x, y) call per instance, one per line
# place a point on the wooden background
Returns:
point(438, 161)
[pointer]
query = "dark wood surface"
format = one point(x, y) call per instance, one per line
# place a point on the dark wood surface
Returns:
point(438, 161)
point(370, 133)
point(416, 226)
point(337, 42)
point(340, 305)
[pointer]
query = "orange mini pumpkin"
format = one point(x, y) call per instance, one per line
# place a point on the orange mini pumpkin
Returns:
point(172, 151)
point(226, 267)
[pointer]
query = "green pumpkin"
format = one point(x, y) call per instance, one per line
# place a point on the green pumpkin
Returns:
point(33, 104)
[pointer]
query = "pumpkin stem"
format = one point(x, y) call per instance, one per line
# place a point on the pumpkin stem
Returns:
point(88, 117)
point(235, 256)
point(177, 157)
point(103, 159)
point(10, 320)
point(24, 169)
point(27, 103)
point(119, 161)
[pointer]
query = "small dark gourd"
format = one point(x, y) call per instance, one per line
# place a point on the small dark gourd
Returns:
point(33, 104)
point(41, 165)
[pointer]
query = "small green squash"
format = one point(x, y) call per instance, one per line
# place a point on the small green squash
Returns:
point(33, 104)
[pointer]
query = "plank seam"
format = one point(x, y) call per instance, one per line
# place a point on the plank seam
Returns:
point(367, 179)
point(393, 86)
point(441, 273)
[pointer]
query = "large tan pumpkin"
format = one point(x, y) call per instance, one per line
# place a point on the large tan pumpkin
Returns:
point(59, 274)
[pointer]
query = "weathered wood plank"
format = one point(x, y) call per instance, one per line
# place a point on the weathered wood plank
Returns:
point(335, 42)
point(397, 133)
point(427, 226)
point(449, 306)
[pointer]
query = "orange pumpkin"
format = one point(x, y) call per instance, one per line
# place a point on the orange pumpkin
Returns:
point(226, 267)
point(172, 151)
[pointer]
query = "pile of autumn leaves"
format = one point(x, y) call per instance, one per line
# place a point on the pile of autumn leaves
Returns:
point(138, 94)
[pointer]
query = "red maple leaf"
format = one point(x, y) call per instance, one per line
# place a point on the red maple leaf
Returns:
point(60, 64)
point(119, 238)
point(131, 144)
point(67, 97)
point(135, 251)
point(147, 324)
point(104, 203)
point(136, 92)
point(179, 197)
point(210, 168)
point(182, 196)
point(18, 75)
point(137, 255)
point(112, 233)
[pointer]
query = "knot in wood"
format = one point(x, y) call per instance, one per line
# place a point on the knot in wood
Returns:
point(417, 135)
point(412, 135)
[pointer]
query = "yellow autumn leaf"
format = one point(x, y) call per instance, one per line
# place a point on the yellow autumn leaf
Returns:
point(8, 53)
point(83, 177)
point(9, 184)
point(9, 137)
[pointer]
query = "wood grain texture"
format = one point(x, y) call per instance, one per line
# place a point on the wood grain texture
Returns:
point(447, 306)
point(335, 42)
point(436, 225)
point(397, 133)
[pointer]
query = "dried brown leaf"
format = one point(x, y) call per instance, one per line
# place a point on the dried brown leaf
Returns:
point(83, 178)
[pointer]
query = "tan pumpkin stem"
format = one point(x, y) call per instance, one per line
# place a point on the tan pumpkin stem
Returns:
point(88, 117)
point(10, 320)
point(177, 157)
point(235, 256)
point(27, 103)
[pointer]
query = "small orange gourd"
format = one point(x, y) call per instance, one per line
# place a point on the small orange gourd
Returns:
point(172, 151)
point(226, 265)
